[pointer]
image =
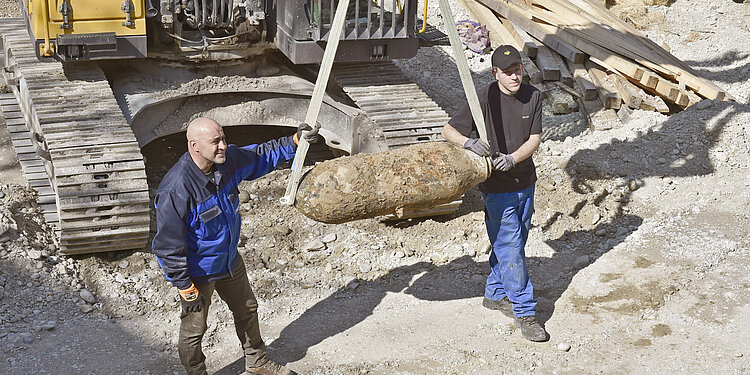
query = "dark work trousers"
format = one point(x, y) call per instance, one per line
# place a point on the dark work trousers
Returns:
point(238, 295)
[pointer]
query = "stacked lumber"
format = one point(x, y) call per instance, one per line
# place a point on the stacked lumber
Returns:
point(581, 48)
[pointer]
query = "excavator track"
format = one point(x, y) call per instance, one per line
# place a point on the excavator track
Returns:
point(399, 108)
point(76, 134)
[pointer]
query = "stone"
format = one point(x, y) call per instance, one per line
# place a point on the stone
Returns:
point(633, 185)
point(50, 325)
point(87, 296)
point(124, 264)
point(328, 238)
point(86, 308)
point(244, 196)
point(563, 347)
point(365, 267)
point(600, 233)
point(595, 219)
point(478, 278)
point(283, 230)
point(581, 261)
point(704, 104)
point(315, 245)
point(34, 254)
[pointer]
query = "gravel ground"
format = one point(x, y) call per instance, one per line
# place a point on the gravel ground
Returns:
point(638, 253)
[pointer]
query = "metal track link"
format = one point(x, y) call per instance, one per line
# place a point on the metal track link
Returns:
point(91, 176)
point(404, 113)
point(400, 108)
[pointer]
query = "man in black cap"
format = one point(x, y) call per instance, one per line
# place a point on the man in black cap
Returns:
point(513, 116)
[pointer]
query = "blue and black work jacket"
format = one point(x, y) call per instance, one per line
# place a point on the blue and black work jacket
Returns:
point(197, 220)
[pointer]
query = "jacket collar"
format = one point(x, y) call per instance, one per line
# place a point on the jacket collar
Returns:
point(196, 174)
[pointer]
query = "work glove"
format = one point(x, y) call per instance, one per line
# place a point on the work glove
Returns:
point(503, 162)
point(307, 132)
point(191, 300)
point(477, 146)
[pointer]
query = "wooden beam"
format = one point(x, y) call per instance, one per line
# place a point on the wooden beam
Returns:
point(606, 90)
point(522, 38)
point(587, 88)
point(628, 92)
point(565, 76)
point(530, 70)
point(618, 37)
point(547, 64)
point(552, 41)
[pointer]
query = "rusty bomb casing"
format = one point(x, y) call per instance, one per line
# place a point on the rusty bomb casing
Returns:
point(368, 185)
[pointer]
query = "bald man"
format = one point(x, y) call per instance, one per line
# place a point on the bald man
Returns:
point(198, 228)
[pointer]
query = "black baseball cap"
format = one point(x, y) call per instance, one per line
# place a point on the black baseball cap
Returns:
point(505, 56)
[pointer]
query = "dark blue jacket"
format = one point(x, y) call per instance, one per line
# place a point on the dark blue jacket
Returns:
point(197, 221)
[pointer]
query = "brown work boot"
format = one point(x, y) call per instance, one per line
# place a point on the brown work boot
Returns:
point(504, 305)
point(531, 329)
point(270, 368)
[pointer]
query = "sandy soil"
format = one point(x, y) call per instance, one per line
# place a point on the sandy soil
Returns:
point(638, 254)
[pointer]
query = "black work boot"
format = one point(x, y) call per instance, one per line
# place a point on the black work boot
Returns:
point(531, 329)
point(504, 305)
point(270, 368)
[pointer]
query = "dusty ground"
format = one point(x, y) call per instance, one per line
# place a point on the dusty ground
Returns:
point(639, 253)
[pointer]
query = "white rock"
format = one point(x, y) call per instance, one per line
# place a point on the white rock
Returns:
point(124, 264)
point(34, 254)
point(330, 237)
point(87, 296)
point(365, 267)
point(316, 245)
point(563, 347)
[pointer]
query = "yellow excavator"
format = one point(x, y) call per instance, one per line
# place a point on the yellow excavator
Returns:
point(88, 83)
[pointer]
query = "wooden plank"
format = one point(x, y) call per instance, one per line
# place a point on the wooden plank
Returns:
point(628, 92)
point(581, 76)
point(547, 65)
point(607, 93)
point(530, 70)
point(649, 80)
point(522, 38)
point(620, 38)
point(562, 47)
point(565, 76)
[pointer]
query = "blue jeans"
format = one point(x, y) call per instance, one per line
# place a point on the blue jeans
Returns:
point(508, 219)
